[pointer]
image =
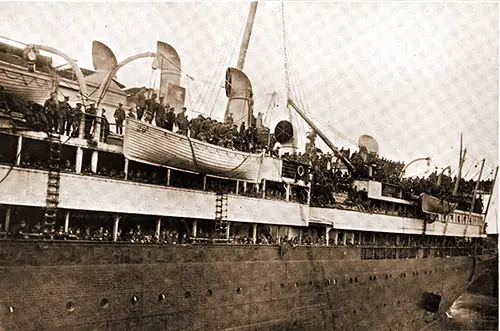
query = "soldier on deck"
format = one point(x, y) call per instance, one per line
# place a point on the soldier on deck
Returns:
point(119, 116)
point(182, 122)
point(70, 119)
point(151, 107)
point(64, 110)
point(51, 107)
point(141, 104)
point(90, 118)
point(77, 114)
point(104, 126)
point(170, 119)
point(160, 114)
point(229, 119)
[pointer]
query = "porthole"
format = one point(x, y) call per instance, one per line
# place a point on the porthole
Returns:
point(11, 309)
point(296, 285)
point(209, 293)
point(135, 299)
point(70, 306)
point(187, 294)
point(351, 280)
point(104, 303)
point(310, 282)
point(370, 278)
point(356, 279)
point(334, 281)
point(162, 297)
point(282, 285)
point(374, 277)
point(238, 290)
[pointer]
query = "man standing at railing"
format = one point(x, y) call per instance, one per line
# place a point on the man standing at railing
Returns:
point(90, 118)
point(119, 116)
point(75, 117)
point(64, 110)
point(51, 109)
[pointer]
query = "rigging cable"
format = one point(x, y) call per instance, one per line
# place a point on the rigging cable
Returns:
point(287, 74)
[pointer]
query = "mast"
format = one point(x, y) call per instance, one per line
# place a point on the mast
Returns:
point(461, 159)
point(322, 136)
point(246, 35)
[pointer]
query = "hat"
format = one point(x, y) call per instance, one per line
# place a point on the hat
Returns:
point(78, 103)
point(162, 97)
point(172, 108)
point(67, 98)
point(120, 104)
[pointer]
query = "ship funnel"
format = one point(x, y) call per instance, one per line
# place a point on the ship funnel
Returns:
point(170, 66)
point(103, 57)
point(239, 92)
point(169, 63)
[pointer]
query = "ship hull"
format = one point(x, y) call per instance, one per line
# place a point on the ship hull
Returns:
point(89, 286)
point(154, 145)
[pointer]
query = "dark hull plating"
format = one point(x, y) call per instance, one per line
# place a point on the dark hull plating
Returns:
point(91, 286)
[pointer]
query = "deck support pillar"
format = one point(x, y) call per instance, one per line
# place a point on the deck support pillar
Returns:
point(194, 229)
point(344, 238)
point(237, 186)
point(263, 189)
point(125, 168)
point(327, 235)
point(66, 222)
point(79, 160)
point(245, 187)
point(228, 230)
point(168, 177)
point(254, 233)
point(158, 228)
point(335, 237)
point(93, 161)
point(8, 211)
point(19, 149)
point(397, 239)
point(352, 237)
point(116, 221)
point(287, 193)
point(204, 182)
point(300, 236)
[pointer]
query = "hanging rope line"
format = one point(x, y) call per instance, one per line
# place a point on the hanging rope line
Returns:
point(285, 62)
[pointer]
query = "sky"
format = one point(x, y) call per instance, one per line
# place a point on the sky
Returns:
point(412, 75)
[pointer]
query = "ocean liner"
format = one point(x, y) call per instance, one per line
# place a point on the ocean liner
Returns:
point(164, 228)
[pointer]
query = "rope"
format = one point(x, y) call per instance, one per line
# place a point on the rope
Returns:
point(287, 75)
point(192, 152)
